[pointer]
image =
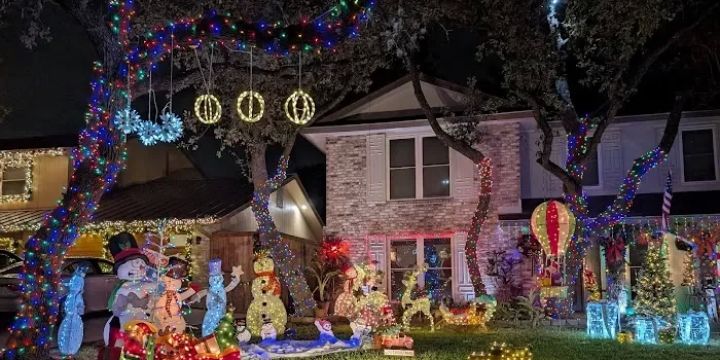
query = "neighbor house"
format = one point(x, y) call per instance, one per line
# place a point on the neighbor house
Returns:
point(401, 197)
point(161, 187)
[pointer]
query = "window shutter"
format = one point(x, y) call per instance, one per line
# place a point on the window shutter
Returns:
point(376, 168)
point(462, 286)
point(463, 176)
point(377, 251)
point(611, 158)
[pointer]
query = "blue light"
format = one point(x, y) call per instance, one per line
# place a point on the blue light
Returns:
point(603, 320)
point(647, 330)
point(694, 328)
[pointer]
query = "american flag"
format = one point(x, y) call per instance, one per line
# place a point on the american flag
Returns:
point(667, 202)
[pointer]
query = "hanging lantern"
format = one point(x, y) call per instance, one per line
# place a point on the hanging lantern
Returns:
point(208, 109)
point(254, 114)
point(553, 224)
point(299, 107)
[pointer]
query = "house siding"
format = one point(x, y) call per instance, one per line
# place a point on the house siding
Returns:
point(369, 222)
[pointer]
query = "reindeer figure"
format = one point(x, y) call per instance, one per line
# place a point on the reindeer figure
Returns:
point(414, 306)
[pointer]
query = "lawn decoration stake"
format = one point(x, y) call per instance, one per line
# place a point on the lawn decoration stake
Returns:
point(413, 306)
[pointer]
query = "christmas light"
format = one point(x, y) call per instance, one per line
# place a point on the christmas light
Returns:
point(299, 107)
point(502, 352)
point(251, 97)
point(127, 120)
point(208, 109)
point(694, 328)
point(553, 225)
point(485, 172)
point(655, 289)
point(266, 305)
point(25, 160)
point(412, 306)
point(647, 330)
point(603, 320)
point(171, 127)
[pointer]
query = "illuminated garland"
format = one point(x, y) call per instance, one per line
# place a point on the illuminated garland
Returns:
point(176, 226)
point(98, 159)
point(24, 160)
point(338, 23)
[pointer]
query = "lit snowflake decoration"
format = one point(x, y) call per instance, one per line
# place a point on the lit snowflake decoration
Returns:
point(149, 132)
point(171, 127)
point(127, 120)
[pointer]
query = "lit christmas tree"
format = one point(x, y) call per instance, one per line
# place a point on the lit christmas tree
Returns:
point(655, 290)
point(225, 333)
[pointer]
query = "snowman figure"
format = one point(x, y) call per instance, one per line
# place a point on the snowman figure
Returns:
point(266, 304)
point(243, 334)
point(167, 308)
point(129, 299)
point(216, 300)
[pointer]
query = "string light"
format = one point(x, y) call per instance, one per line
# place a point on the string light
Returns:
point(299, 107)
point(208, 109)
point(251, 97)
point(603, 320)
point(655, 290)
point(502, 352)
point(694, 328)
point(485, 172)
point(418, 305)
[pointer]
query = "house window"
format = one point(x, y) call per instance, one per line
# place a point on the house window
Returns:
point(407, 254)
point(698, 147)
point(12, 181)
point(419, 163)
point(591, 177)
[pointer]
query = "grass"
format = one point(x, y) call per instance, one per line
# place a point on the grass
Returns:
point(456, 343)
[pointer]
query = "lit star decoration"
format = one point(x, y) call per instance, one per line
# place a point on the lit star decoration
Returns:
point(299, 107)
point(24, 160)
point(96, 162)
point(253, 114)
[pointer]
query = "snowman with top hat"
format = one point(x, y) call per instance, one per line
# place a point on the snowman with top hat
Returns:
point(129, 299)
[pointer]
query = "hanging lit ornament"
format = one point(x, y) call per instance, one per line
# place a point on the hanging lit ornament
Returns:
point(208, 109)
point(299, 107)
point(254, 114)
point(149, 132)
point(553, 224)
point(127, 120)
point(171, 127)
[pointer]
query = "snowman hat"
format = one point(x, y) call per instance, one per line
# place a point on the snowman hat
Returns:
point(177, 268)
point(124, 248)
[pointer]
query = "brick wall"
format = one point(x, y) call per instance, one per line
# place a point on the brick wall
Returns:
point(350, 215)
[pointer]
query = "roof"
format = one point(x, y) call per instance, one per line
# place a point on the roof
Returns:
point(683, 204)
point(159, 199)
point(44, 142)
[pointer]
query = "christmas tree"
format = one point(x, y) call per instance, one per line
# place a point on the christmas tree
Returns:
point(655, 290)
point(225, 332)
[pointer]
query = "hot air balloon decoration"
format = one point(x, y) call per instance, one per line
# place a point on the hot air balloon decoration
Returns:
point(553, 225)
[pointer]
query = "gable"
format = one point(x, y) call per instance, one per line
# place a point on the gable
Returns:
point(400, 97)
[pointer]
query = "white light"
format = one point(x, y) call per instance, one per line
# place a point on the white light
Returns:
point(446, 182)
point(304, 207)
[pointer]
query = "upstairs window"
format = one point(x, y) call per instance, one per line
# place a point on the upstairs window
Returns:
point(592, 170)
point(698, 150)
point(419, 163)
point(12, 181)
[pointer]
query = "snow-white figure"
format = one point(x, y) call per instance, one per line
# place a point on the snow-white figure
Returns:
point(167, 313)
point(129, 299)
point(243, 334)
point(266, 304)
point(216, 300)
point(70, 333)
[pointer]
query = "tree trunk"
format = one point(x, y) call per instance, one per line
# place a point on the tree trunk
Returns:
point(96, 163)
point(287, 263)
point(481, 214)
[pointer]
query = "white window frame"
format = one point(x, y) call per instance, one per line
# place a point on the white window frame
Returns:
point(419, 259)
point(714, 132)
point(419, 191)
point(27, 167)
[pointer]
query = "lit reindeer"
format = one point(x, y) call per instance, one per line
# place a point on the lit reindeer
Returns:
point(414, 306)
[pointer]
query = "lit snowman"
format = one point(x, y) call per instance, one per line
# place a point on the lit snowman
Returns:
point(266, 305)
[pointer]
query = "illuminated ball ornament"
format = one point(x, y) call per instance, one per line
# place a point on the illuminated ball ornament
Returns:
point(255, 106)
point(127, 120)
point(553, 225)
point(299, 107)
point(171, 128)
point(149, 132)
point(208, 109)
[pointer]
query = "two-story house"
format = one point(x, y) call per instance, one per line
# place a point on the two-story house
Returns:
point(403, 199)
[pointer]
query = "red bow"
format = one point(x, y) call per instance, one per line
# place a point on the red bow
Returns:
point(615, 252)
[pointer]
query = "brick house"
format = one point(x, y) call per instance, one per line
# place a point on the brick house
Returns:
point(401, 197)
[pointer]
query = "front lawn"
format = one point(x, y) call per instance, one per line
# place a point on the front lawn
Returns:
point(546, 344)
